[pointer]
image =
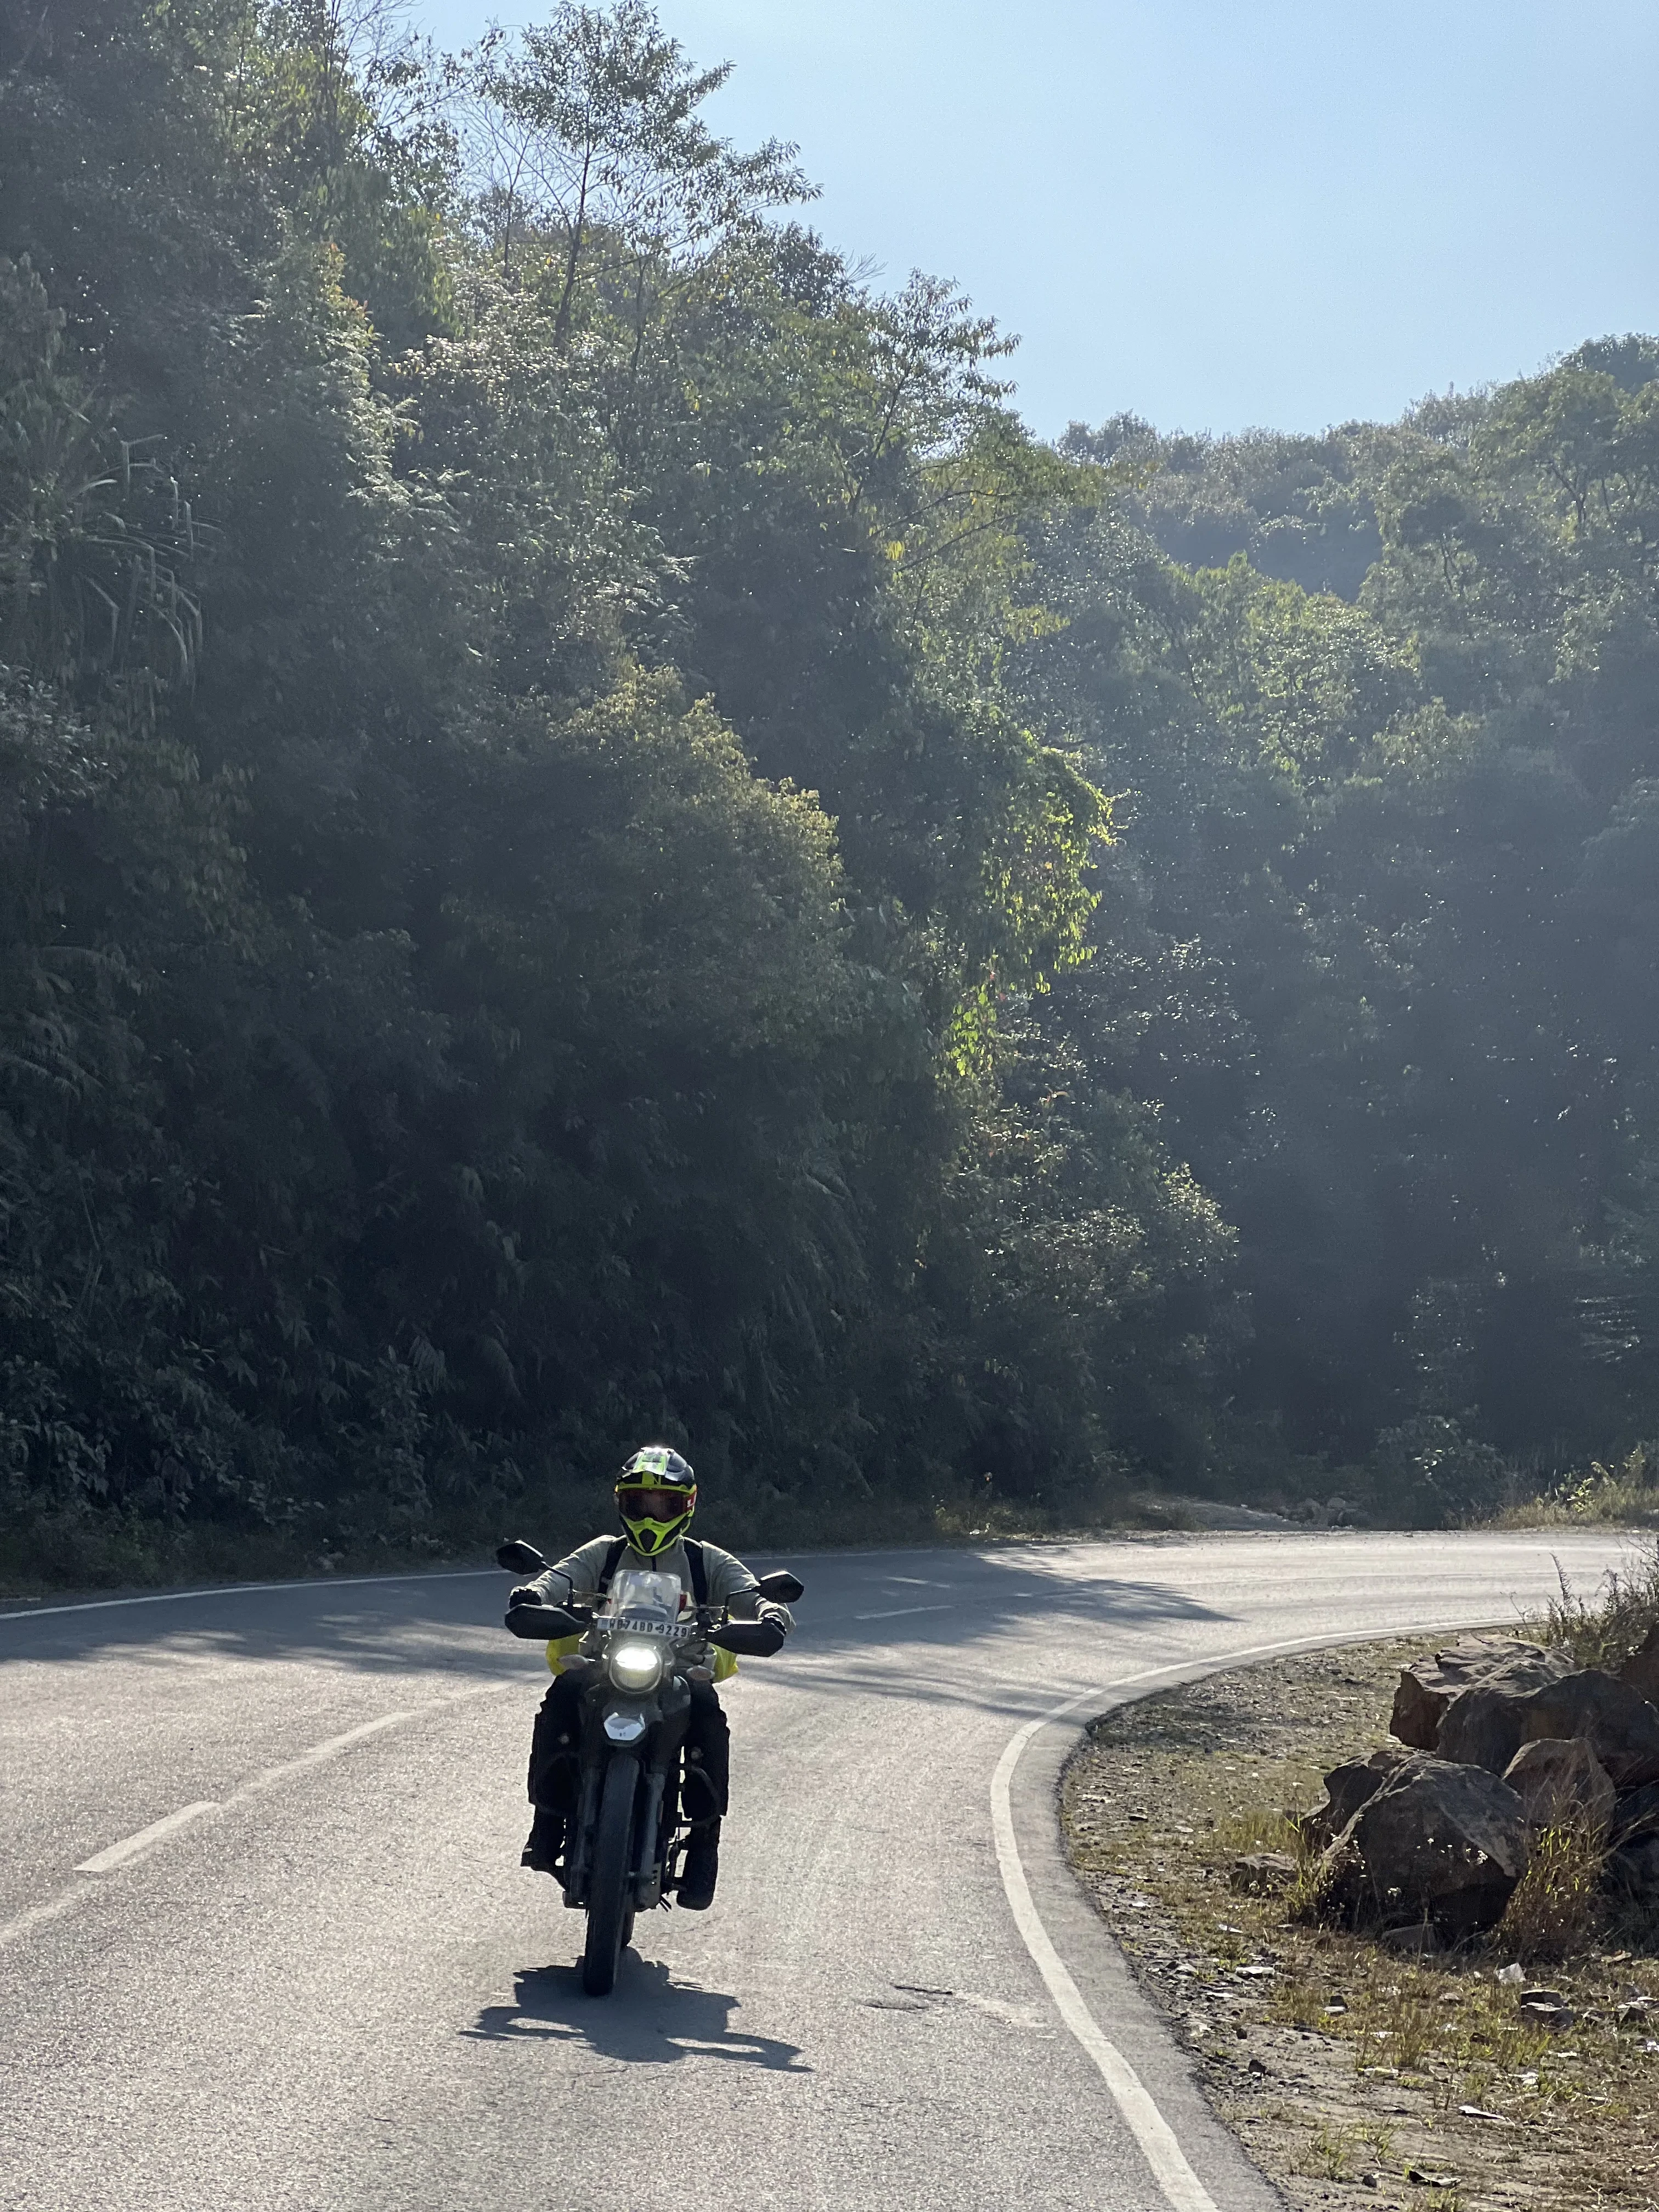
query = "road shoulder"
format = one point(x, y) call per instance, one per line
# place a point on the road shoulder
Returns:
point(1423, 2071)
point(1106, 1984)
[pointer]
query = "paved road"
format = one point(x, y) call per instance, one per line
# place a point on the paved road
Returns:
point(333, 1986)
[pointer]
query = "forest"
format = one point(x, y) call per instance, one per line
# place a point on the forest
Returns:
point(597, 843)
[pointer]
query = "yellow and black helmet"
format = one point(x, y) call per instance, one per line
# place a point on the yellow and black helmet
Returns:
point(656, 1496)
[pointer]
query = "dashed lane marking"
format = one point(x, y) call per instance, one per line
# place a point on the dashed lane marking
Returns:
point(122, 1854)
point(898, 1612)
point(132, 1847)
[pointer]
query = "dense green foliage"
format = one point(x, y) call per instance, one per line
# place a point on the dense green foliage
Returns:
point(520, 860)
point(1383, 938)
point(556, 883)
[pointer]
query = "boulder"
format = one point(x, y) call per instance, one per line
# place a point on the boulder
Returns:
point(1482, 1728)
point(1640, 1672)
point(1428, 1687)
point(1486, 1725)
point(1416, 1941)
point(1620, 1727)
point(1346, 1789)
point(1637, 1814)
point(1558, 1779)
point(1259, 1874)
point(1633, 1871)
point(1435, 1843)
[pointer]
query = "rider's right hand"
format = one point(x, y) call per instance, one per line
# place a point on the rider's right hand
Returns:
point(523, 1593)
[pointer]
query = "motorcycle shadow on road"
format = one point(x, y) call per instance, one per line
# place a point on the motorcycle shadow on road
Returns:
point(649, 2020)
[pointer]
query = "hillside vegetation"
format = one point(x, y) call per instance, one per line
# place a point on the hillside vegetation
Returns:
point(595, 842)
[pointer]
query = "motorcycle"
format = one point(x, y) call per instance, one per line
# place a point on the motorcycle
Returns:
point(623, 1842)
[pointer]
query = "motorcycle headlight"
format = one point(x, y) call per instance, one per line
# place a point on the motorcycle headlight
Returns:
point(634, 1667)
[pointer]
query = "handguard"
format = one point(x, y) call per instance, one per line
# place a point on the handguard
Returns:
point(750, 1639)
point(542, 1624)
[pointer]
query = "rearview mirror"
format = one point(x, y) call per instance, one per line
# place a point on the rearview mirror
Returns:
point(781, 1587)
point(520, 1558)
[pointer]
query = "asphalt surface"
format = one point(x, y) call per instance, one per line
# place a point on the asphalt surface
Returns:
point(332, 1985)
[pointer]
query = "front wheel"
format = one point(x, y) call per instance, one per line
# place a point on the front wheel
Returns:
point(609, 1895)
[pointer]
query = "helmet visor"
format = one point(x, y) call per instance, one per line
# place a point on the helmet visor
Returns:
point(642, 1501)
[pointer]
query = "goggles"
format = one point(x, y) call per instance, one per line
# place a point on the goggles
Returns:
point(637, 1503)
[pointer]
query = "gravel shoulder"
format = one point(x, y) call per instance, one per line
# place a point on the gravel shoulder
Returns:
point(1352, 2075)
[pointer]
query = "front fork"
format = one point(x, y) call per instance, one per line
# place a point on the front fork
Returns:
point(652, 1847)
point(578, 1851)
point(648, 1860)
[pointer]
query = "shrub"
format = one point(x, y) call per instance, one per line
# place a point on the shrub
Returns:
point(1605, 1628)
point(1429, 1473)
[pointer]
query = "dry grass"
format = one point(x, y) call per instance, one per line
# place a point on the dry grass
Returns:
point(1257, 1828)
point(1603, 1627)
point(1626, 1495)
point(1331, 2152)
point(1558, 1903)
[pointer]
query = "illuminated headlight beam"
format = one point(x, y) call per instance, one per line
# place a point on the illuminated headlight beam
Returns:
point(634, 1666)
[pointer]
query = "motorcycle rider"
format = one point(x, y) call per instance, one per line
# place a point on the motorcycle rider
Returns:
point(656, 1497)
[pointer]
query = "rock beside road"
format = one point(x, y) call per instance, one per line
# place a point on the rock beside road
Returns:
point(1429, 1687)
point(1633, 1872)
point(1640, 1672)
point(1487, 1724)
point(1560, 1780)
point(1617, 1724)
point(1259, 1874)
point(1435, 1843)
point(1346, 1789)
point(1637, 1815)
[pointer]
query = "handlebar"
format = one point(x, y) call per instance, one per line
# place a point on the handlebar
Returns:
point(551, 1623)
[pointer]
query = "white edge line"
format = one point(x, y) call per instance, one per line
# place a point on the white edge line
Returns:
point(1180, 2185)
point(132, 1847)
point(1152, 2131)
point(241, 1589)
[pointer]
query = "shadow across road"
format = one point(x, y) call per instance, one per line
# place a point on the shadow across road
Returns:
point(924, 1602)
point(648, 2020)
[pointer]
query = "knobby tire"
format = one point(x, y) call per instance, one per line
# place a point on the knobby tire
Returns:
point(609, 1894)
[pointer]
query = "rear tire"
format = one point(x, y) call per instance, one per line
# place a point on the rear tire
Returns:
point(608, 1893)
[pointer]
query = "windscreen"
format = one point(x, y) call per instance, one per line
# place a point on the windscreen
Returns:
point(645, 1598)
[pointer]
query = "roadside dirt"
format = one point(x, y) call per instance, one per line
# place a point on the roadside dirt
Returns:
point(1354, 2076)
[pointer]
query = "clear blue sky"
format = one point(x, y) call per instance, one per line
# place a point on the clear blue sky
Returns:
point(1220, 212)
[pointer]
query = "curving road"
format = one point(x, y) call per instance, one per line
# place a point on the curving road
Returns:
point(265, 1942)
